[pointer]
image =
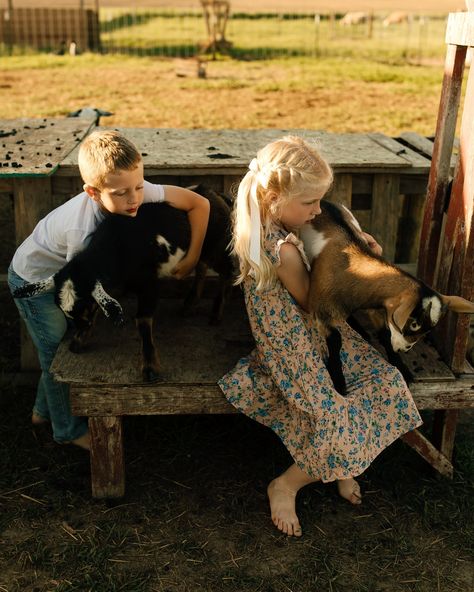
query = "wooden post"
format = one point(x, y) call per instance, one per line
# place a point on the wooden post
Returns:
point(107, 465)
point(441, 160)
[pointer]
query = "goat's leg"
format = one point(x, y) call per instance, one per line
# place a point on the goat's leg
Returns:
point(333, 363)
point(146, 303)
point(195, 293)
point(225, 288)
point(84, 325)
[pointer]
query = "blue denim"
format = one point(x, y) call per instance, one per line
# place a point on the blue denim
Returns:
point(47, 325)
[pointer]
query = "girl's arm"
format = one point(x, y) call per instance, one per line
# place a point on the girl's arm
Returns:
point(293, 274)
point(197, 208)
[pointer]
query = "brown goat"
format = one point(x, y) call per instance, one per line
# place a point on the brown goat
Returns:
point(346, 277)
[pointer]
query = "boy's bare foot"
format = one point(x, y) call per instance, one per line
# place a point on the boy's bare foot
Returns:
point(38, 420)
point(349, 489)
point(82, 441)
point(282, 507)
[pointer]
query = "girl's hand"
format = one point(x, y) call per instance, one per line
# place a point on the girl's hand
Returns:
point(184, 267)
point(372, 243)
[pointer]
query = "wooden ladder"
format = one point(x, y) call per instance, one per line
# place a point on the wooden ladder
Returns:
point(447, 238)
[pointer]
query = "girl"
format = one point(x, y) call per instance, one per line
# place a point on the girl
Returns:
point(284, 383)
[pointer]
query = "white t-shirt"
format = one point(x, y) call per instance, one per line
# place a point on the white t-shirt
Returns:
point(64, 232)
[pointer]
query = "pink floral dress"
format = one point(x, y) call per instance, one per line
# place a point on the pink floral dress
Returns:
point(284, 384)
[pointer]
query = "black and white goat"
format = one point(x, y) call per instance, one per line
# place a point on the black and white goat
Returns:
point(346, 276)
point(133, 254)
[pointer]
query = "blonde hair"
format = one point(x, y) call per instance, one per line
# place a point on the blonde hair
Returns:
point(287, 168)
point(104, 152)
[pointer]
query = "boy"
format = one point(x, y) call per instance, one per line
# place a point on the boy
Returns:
point(112, 170)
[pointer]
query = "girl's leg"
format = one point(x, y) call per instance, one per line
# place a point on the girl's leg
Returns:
point(47, 325)
point(282, 495)
point(349, 489)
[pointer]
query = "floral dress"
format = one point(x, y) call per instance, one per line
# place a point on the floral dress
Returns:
point(284, 384)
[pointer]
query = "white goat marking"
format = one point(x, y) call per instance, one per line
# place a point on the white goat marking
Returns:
point(313, 240)
point(352, 219)
point(435, 311)
point(102, 298)
point(399, 343)
point(166, 268)
point(67, 296)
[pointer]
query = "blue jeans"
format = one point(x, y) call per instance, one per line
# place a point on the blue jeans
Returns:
point(47, 325)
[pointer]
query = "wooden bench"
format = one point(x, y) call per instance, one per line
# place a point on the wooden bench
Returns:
point(105, 385)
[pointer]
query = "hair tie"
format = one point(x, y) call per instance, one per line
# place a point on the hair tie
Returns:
point(253, 166)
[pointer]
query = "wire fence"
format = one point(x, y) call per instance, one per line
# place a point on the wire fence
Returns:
point(183, 33)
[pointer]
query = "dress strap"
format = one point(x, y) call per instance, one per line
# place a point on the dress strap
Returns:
point(294, 240)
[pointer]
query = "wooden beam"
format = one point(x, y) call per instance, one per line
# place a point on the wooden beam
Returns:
point(425, 448)
point(107, 464)
point(460, 29)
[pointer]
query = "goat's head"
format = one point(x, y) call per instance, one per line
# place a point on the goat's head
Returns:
point(411, 315)
point(72, 300)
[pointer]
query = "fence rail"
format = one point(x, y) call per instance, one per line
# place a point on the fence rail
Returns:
point(172, 33)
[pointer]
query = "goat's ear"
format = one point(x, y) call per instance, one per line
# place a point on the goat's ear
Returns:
point(399, 308)
point(457, 304)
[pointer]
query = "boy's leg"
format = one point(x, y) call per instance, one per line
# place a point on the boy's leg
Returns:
point(47, 325)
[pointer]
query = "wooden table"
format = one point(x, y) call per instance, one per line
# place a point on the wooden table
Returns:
point(381, 179)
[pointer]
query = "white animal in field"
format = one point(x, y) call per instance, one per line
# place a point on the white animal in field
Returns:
point(354, 18)
point(395, 18)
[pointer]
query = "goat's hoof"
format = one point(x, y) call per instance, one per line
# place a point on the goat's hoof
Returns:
point(150, 375)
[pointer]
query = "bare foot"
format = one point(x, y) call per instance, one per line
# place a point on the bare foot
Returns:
point(282, 507)
point(38, 420)
point(82, 441)
point(349, 489)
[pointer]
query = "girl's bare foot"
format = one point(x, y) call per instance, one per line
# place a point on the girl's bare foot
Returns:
point(38, 420)
point(349, 489)
point(282, 507)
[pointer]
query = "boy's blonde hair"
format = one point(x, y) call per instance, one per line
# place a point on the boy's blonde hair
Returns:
point(104, 152)
point(286, 168)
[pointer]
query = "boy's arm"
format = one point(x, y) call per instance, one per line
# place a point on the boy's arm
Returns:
point(197, 209)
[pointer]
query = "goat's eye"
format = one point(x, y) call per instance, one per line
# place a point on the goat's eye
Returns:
point(415, 326)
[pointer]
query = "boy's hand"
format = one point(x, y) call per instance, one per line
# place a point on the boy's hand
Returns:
point(184, 267)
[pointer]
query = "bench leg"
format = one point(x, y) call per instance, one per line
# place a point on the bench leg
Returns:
point(429, 452)
point(107, 466)
point(444, 431)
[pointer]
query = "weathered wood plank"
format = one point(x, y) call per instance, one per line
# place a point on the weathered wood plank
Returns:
point(230, 151)
point(444, 431)
point(35, 147)
point(425, 448)
point(194, 398)
point(456, 272)
point(460, 29)
point(418, 162)
point(386, 204)
point(107, 462)
point(341, 190)
point(441, 162)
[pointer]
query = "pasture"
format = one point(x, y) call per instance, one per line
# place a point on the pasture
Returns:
point(195, 515)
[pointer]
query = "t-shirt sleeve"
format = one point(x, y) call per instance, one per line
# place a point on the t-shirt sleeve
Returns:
point(153, 193)
point(77, 240)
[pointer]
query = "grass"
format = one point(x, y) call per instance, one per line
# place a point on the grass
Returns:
point(282, 93)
